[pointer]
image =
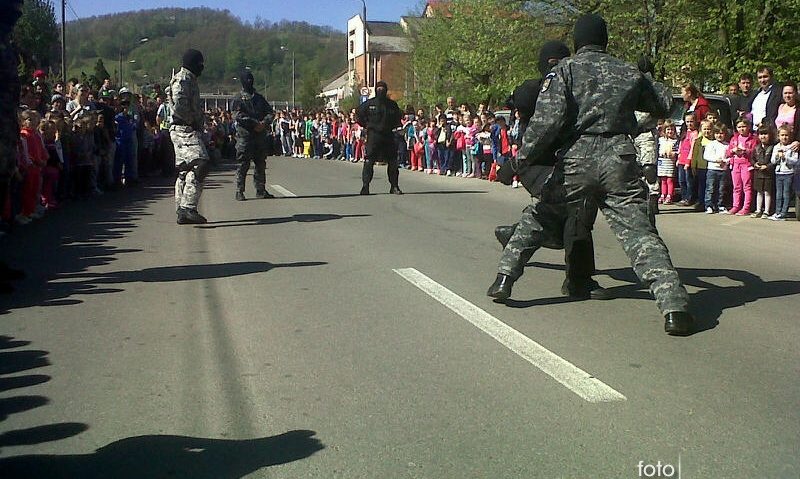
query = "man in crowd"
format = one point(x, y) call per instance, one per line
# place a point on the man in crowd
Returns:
point(592, 97)
point(253, 116)
point(543, 221)
point(191, 157)
point(380, 115)
point(765, 101)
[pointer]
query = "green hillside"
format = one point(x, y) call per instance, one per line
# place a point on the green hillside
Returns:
point(227, 43)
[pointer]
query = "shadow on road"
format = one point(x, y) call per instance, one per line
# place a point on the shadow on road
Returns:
point(161, 456)
point(301, 218)
point(707, 304)
point(348, 195)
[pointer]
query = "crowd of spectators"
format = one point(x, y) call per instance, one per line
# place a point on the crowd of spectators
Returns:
point(76, 143)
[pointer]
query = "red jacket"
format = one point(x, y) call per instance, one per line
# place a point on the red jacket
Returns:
point(36, 150)
point(701, 109)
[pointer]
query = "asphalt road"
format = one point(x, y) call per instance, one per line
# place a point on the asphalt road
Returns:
point(288, 338)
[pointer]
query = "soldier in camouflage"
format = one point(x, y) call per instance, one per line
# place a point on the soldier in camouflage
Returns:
point(253, 115)
point(543, 221)
point(592, 97)
point(647, 148)
point(191, 156)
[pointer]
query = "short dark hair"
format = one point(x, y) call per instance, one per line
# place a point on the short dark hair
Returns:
point(746, 76)
point(764, 130)
point(765, 68)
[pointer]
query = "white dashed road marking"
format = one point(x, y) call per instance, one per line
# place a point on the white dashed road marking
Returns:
point(283, 191)
point(573, 378)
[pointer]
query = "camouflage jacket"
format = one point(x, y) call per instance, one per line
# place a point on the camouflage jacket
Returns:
point(185, 99)
point(591, 94)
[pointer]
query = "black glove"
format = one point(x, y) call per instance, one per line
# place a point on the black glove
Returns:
point(646, 65)
point(650, 173)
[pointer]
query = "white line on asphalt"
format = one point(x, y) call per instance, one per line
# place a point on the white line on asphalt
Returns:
point(283, 191)
point(575, 379)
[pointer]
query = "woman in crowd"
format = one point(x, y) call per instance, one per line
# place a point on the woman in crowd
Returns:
point(694, 101)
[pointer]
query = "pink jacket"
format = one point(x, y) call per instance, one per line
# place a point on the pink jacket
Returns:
point(685, 148)
point(748, 143)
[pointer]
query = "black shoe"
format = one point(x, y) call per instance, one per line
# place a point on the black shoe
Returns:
point(679, 323)
point(364, 190)
point(395, 190)
point(240, 196)
point(263, 195)
point(191, 217)
point(590, 290)
point(501, 288)
point(504, 234)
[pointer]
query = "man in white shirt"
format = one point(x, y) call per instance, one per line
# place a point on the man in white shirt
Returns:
point(765, 102)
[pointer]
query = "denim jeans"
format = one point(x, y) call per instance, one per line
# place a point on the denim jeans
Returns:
point(686, 182)
point(714, 182)
point(783, 193)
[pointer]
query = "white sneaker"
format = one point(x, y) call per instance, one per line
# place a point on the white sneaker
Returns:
point(515, 184)
point(723, 210)
point(449, 173)
point(709, 211)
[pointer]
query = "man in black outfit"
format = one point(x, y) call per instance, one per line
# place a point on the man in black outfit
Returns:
point(380, 115)
point(253, 118)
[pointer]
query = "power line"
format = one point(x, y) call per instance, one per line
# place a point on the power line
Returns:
point(73, 11)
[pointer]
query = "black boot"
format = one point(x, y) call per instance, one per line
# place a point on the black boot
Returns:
point(501, 288)
point(679, 323)
point(240, 196)
point(364, 189)
point(504, 233)
point(590, 290)
point(395, 190)
point(263, 194)
point(190, 217)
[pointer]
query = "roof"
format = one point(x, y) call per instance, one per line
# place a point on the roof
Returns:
point(385, 29)
point(340, 81)
point(389, 44)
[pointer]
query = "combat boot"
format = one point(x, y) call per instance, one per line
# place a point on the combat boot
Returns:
point(263, 194)
point(240, 196)
point(590, 290)
point(504, 234)
point(679, 323)
point(395, 190)
point(501, 288)
point(191, 217)
point(364, 190)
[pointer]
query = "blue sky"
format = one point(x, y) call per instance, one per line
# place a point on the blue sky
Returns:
point(333, 13)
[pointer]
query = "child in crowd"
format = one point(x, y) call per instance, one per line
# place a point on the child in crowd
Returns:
point(699, 165)
point(484, 151)
point(358, 142)
point(739, 156)
point(32, 167)
point(714, 154)
point(444, 140)
point(83, 129)
point(430, 146)
point(667, 154)
point(413, 146)
point(460, 143)
point(784, 159)
point(764, 173)
point(52, 169)
point(684, 162)
point(327, 148)
point(470, 151)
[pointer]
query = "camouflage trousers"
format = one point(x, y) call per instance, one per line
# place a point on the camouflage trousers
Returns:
point(605, 170)
point(646, 146)
point(191, 161)
point(541, 224)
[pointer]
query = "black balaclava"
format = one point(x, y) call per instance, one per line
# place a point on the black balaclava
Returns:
point(381, 89)
point(193, 61)
point(9, 19)
point(553, 49)
point(590, 29)
point(246, 77)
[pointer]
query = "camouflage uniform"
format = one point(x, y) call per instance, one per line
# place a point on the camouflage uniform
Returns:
point(592, 96)
point(251, 145)
point(191, 157)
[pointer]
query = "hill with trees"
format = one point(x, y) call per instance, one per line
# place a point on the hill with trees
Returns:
point(227, 43)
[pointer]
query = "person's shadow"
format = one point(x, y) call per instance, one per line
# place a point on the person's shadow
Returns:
point(300, 218)
point(162, 456)
point(707, 304)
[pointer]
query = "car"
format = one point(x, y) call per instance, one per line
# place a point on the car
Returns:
point(717, 103)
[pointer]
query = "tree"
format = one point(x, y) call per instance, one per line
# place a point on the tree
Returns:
point(309, 91)
point(479, 54)
point(36, 34)
point(100, 71)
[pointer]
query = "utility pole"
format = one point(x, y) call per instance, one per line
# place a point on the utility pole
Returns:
point(366, 65)
point(64, 41)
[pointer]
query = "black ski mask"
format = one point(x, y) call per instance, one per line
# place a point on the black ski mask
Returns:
point(9, 19)
point(590, 29)
point(552, 50)
point(246, 77)
point(193, 61)
point(381, 88)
